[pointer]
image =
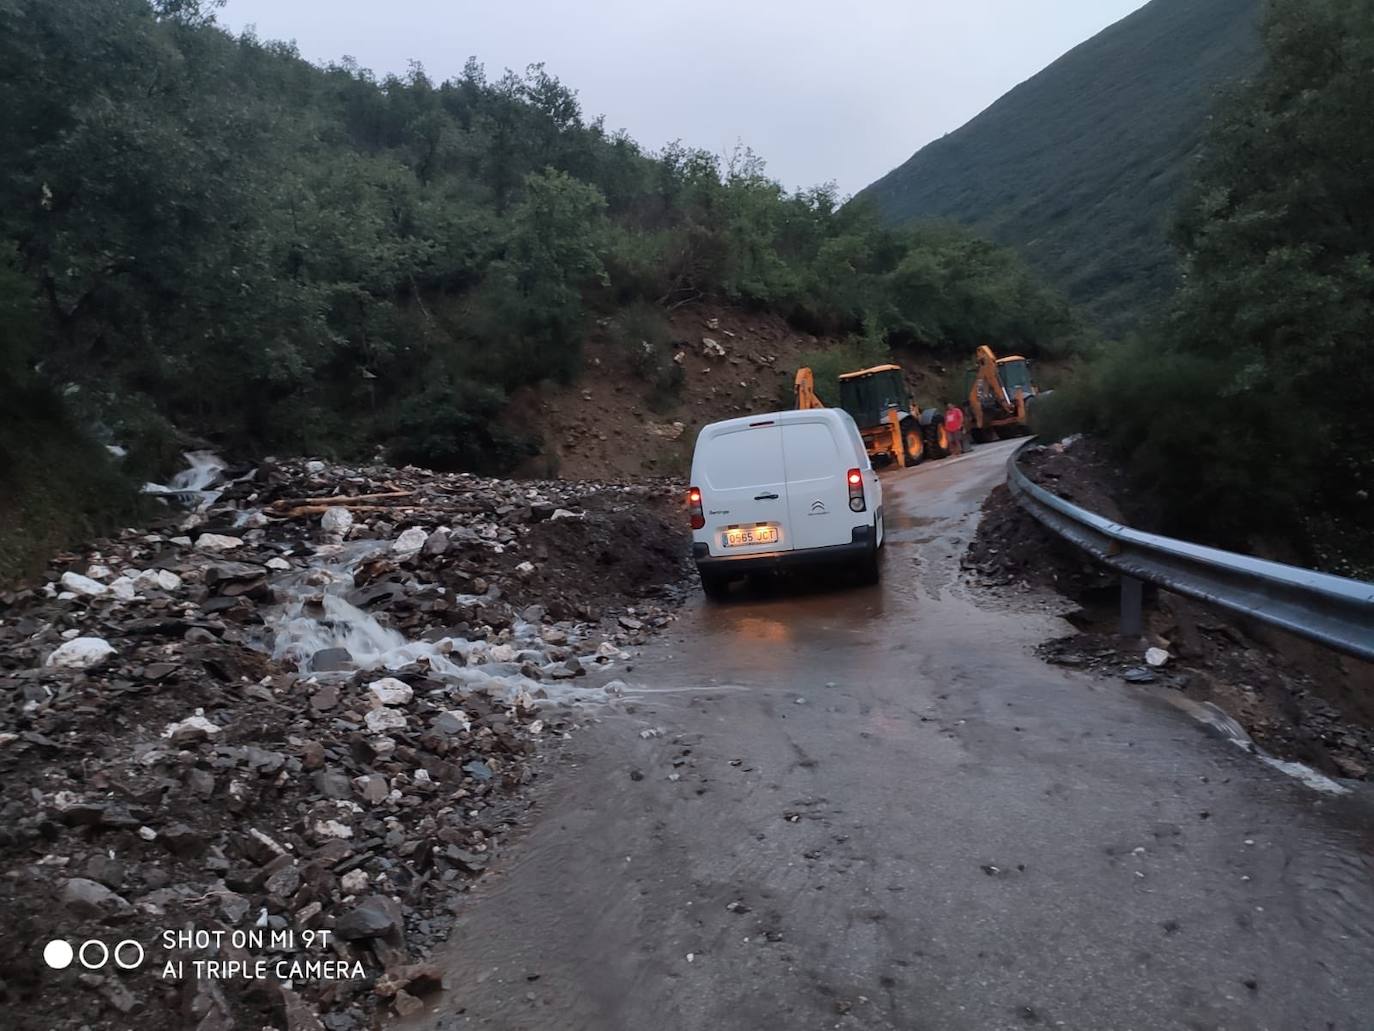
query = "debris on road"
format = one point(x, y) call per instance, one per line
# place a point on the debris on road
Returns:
point(310, 704)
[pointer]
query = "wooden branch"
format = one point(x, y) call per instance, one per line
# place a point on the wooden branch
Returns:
point(341, 501)
point(696, 296)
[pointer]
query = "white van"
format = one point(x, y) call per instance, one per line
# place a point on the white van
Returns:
point(785, 489)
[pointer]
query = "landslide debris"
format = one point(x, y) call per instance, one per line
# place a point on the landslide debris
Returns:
point(311, 705)
point(1296, 700)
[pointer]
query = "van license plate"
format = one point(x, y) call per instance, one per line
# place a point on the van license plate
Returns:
point(738, 537)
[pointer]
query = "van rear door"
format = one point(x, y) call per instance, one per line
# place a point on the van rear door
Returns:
point(743, 490)
point(817, 495)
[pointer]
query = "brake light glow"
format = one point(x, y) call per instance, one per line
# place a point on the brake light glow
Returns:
point(856, 491)
point(694, 507)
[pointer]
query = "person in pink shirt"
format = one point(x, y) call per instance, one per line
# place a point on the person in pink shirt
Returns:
point(954, 428)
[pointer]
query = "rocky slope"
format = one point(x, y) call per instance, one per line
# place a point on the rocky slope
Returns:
point(297, 723)
point(613, 423)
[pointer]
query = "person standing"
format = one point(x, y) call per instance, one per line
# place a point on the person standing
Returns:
point(954, 429)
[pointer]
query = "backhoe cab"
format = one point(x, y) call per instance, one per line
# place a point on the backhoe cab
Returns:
point(889, 422)
point(1000, 396)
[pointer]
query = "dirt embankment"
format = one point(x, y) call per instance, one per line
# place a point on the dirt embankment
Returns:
point(613, 423)
point(304, 722)
point(1295, 699)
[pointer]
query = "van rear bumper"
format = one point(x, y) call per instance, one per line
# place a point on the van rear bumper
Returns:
point(738, 565)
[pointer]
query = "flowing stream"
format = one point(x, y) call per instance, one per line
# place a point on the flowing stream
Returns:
point(190, 487)
point(315, 615)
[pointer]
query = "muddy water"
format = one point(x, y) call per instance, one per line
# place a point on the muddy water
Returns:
point(875, 808)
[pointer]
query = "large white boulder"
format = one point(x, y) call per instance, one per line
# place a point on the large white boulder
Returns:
point(123, 588)
point(217, 542)
point(410, 541)
point(193, 728)
point(336, 522)
point(81, 653)
point(379, 721)
point(390, 691)
point(83, 585)
point(157, 580)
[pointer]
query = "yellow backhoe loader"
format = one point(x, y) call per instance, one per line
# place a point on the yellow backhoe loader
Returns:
point(1000, 396)
point(893, 428)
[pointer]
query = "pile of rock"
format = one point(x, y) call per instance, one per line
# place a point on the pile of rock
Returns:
point(160, 769)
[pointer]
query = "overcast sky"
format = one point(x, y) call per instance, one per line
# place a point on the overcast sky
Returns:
point(842, 91)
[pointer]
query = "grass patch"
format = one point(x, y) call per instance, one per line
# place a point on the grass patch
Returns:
point(57, 486)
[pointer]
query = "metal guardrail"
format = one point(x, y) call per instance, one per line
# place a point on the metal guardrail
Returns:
point(1331, 610)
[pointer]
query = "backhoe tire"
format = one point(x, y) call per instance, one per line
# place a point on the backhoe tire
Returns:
point(937, 440)
point(913, 444)
point(715, 586)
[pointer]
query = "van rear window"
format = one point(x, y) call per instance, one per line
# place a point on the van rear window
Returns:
point(745, 458)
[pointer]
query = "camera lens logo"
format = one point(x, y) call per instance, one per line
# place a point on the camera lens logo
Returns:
point(93, 954)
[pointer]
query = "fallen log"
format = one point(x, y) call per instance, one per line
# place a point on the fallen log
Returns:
point(341, 501)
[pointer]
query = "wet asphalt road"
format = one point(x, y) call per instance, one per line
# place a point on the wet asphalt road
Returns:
point(925, 827)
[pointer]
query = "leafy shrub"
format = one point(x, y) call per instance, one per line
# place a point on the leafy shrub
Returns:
point(57, 484)
point(452, 428)
point(643, 336)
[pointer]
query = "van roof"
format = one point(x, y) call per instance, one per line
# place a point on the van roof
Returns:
point(779, 418)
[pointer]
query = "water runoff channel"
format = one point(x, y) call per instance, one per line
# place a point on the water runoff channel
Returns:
point(312, 614)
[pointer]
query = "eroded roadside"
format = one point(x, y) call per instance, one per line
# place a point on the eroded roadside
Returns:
point(1297, 700)
point(298, 723)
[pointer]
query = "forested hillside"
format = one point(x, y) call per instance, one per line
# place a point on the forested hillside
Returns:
point(204, 236)
point(1081, 166)
point(1248, 409)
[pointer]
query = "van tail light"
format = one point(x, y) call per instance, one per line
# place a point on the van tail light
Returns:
point(856, 491)
point(694, 507)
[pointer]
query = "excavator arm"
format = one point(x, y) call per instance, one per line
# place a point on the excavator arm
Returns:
point(992, 404)
point(990, 380)
point(806, 390)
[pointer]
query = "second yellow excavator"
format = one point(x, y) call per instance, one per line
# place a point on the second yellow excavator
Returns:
point(1000, 396)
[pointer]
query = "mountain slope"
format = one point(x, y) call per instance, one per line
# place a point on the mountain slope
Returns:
point(1080, 165)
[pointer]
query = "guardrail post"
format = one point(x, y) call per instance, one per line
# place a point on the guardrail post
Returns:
point(1132, 614)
